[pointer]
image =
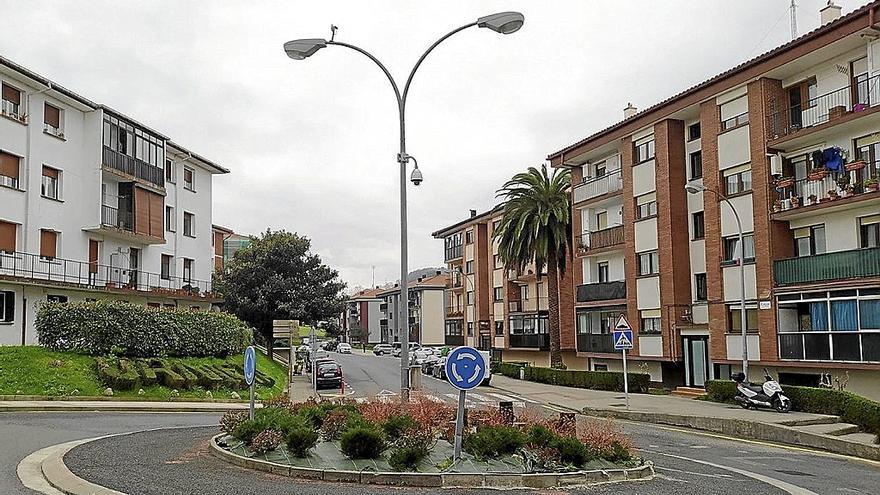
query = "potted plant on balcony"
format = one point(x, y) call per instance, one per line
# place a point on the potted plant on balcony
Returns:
point(832, 194)
point(871, 185)
point(777, 205)
point(856, 165)
point(795, 201)
point(812, 199)
point(784, 182)
point(818, 173)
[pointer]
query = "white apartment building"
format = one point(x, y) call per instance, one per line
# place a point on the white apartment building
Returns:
point(94, 204)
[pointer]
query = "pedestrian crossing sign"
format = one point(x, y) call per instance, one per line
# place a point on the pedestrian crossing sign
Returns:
point(623, 335)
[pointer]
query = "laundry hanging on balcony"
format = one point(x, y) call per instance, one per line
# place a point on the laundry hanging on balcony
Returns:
point(833, 158)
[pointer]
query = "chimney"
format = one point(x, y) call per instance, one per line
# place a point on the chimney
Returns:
point(629, 111)
point(473, 213)
point(829, 13)
point(438, 272)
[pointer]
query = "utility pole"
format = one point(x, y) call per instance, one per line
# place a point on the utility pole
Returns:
point(793, 10)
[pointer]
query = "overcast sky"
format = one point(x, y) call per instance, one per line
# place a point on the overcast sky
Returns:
point(312, 144)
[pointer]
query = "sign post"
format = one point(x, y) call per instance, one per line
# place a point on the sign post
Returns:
point(288, 329)
point(623, 340)
point(313, 345)
point(465, 369)
point(250, 370)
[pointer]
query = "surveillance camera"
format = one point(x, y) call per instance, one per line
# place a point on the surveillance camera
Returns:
point(416, 176)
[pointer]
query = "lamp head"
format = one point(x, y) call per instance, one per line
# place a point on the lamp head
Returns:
point(694, 188)
point(305, 48)
point(502, 22)
point(416, 176)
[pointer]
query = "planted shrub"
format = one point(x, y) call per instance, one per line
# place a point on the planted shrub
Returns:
point(572, 451)
point(99, 327)
point(541, 436)
point(395, 426)
point(362, 442)
point(231, 419)
point(337, 422)
point(266, 441)
point(494, 441)
point(247, 430)
point(407, 458)
point(300, 440)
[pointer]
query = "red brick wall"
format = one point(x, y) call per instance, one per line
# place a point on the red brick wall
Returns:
point(629, 236)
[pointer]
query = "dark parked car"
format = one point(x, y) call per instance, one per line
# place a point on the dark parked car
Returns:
point(328, 375)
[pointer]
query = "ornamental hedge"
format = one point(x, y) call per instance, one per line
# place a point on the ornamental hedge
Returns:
point(851, 408)
point(596, 380)
point(116, 327)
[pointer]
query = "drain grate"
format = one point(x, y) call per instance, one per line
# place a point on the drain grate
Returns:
point(617, 405)
point(792, 473)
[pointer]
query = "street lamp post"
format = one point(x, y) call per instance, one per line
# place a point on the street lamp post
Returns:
point(694, 188)
point(504, 23)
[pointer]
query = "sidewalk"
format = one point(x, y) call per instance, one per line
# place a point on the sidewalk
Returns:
point(795, 428)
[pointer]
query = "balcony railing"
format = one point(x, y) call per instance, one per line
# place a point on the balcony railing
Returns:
point(595, 342)
point(593, 187)
point(830, 346)
point(454, 312)
point(601, 291)
point(114, 217)
point(840, 265)
point(852, 98)
point(539, 341)
point(8, 181)
point(528, 305)
point(453, 340)
point(792, 194)
point(93, 275)
point(598, 239)
point(134, 167)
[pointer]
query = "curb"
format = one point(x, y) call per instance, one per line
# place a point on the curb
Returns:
point(440, 480)
point(748, 430)
point(119, 407)
point(102, 398)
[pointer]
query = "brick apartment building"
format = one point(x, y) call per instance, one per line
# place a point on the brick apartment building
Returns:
point(426, 311)
point(768, 135)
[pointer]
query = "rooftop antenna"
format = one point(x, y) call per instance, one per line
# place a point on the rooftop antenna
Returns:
point(333, 28)
point(793, 9)
point(374, 277)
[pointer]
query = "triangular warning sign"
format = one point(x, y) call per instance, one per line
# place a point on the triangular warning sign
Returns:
point(622, 341)
point(622, 323)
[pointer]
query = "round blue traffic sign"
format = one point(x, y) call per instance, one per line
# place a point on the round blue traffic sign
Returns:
point(465, 368)
point(250, 364)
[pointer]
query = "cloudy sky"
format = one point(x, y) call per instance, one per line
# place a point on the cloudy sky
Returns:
point(312, 144)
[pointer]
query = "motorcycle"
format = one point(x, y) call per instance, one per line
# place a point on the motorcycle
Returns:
point(767, 395)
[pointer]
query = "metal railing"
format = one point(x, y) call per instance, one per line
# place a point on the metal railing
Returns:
point(593, 187)
point(134, 167)
point(8, 181)
point(595, 342)
point(529, 341)
point(597, 239)
point(863, 346)
point(601, 291)
point(825, 107)
point(809, 192)
point(839, 265)
point(114, 217)
point(528, 305)
point(94, 275)
point(454, 311)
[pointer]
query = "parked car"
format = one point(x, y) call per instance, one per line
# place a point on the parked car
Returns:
point(429, 363)
point(439, 368)
point(420, 355)
point(329, 375)
point(318, 362)
point(396, 346)
point(343, 348)
point(382, 349)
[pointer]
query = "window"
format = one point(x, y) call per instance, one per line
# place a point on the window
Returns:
point(11, 103)
point(649, 263)
point(499, 328)
point(650, 324)
point(7, 306)
point(735, 121)
point(452, 246)
point(55, 298)
point(600, 367)
point(188, 179)
point(731, 252)
point(694, 131)
point(737, 180)
point(169, 170)
point(187, 270)
point(809, 241)
point(170, 219)
point(646, 206)
point(123, 137)
point(469, 237)
point(734, 320)
point(524, 292)
point(453, 327)
point(52, 120)
point(602, 269)
point(699, 221)
point(9, 169)
point(49, 184)
point(7, 238)
point(497, 259)
point(469, 267)
point(470, 297)
point(696, 162)
point(869, 231)
point(48, 244)
point(702, 289)
point(498, 294)
point(166, 267)
point(188, 227)
point(644, 151)
point(496, 225)
point(470, 329)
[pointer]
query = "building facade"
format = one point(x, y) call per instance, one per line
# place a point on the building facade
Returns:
point(363, 313)
point(95, 205)
point(791, 140)
point(426, 311)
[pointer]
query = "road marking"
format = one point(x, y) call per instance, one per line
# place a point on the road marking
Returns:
point(782, 485)
point(434, 398)
point(707, 475)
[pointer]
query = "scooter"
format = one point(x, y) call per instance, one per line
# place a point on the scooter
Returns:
point(767, 395)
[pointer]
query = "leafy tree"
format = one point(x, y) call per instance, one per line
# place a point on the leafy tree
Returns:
point(276, 277)
point(536, 227)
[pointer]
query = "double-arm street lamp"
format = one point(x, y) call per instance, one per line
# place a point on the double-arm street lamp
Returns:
point(504, 23)
point(695, 188)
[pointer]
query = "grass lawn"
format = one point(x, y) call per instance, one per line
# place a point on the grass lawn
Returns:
point(304, 331)
point(34, 370)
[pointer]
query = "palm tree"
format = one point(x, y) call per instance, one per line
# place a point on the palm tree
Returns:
point(536, 227)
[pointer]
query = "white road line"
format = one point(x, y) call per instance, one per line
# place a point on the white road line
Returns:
point(479, 397)
point(433, 398)
point(502, 397)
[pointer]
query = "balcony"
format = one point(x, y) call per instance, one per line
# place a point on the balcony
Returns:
point(861, 346)
point(133, 167)
point(847, 101)
point(114, 217)
point(383, 307)
point(528, 305)
point(540, 341)
point(601, 239)
point(453, 340)
point(840, 265)
point(593, 187)
point(87, 275)
point(595, 342)
point(601, 291)
point(454, 312)
point(452, 253)
point(796, 198)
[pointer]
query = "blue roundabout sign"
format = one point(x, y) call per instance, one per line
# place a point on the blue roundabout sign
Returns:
point(465, 368)
point(250, 365)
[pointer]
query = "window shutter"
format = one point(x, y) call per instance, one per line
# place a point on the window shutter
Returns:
point(9, 165)
point(51, 115)
point(7, 237)
point(11, 94)
point(50, 172)
point(870, 220)
point(48, 244)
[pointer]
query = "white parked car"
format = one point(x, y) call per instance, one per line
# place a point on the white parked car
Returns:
point(419, 356)
point(412, 347)
point(344, 348)
point(382, 349)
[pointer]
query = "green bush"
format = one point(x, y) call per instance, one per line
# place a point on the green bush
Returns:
point(362, 442)
point(494, 441)
point(395, 426)
point(541, 436)
point(617, 453)
point(300, 440)
point(407, 458)
point(721, 391)
point(573, 451)
point(99, 327)
point(247, 430)
point(596, 380)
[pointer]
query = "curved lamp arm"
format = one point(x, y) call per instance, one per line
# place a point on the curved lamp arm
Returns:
point(377, 62)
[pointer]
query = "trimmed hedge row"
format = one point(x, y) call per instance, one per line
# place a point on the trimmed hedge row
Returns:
point(126, 374)
point(850, 407)
point(116, 327)
point(595, 380)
